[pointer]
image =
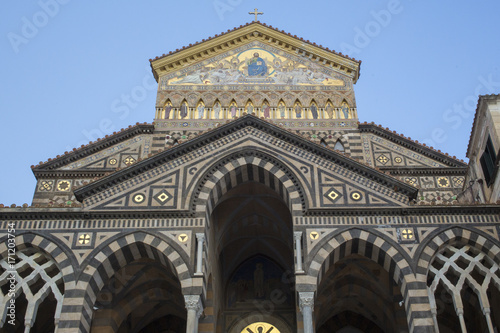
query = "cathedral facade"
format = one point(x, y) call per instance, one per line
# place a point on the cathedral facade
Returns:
point(257, 202)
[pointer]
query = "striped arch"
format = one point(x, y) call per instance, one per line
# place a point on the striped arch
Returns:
point(332, 137)
point(241, 167)
point(104, 261)
point(55, 250)
point(387, 255)
point(56, 253)
point(459, 235)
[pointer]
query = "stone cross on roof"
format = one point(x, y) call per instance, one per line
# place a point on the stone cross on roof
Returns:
point(256, 12)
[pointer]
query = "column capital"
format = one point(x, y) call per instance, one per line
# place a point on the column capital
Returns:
point(200, 237)
point(306, 299)
point(193, 302)
point(297, 235)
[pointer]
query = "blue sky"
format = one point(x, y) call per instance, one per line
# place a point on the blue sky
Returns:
point(66, 65)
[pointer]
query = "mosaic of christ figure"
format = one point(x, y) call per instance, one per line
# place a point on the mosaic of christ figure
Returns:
point(257, 66)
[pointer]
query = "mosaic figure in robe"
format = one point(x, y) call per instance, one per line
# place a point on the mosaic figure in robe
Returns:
point(233, 110)
point(183, 110)
point(267, 113)
point(201, 111)
point(314, 111)
point(257, 66)
point(345, 110)
point(329, 111)
point(216, 110)
point(282, 110)
point(168, 108)
point(298, 111)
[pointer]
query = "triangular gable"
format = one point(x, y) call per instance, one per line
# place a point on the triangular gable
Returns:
point(115, 151)
point(317, 169)
point(387, 150)
point(250, 33)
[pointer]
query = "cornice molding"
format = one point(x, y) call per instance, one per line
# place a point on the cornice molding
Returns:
point(77, 214)
point(407, 211)
point(461, 171)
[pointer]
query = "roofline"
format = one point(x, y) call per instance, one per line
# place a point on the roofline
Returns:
point(91, 148)
point(213, 43)
point(411, 144)
point(232, 126)
point(480, 101)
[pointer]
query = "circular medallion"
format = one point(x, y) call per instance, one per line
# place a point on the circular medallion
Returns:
point(356, 196)
point(443, 182)
point(112, 161)
point(138, 198)
point(63, 186)
point(398, 159)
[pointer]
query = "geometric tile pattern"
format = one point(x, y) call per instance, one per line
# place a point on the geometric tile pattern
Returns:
point(216, 148)
point(388, 154)
point(338, 192)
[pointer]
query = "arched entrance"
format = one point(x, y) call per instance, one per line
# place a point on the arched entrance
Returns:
point(134, 285)
point(144, 297)
point(358, 295)
point(252, 249)
point(361, 282)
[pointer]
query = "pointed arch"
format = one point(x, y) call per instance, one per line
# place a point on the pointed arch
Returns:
point(282, 111)
point(216, 110)
point(461, 261)
point(329, 110)
point(332, 138)
point(313, 110)
point(183, 110)
point(167, 111)
point(298, 110)
point(265, 109)
point(345, 110)
point(40, 261)
point(249, 107)
point(233, 110)
point(241, 167)
point(464, 236)
point(200, 112)
point(339, 146)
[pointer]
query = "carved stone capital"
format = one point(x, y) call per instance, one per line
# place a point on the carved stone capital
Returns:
point(193, 302)
point(306, 299)
point(297, 235)
point(200, 237)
